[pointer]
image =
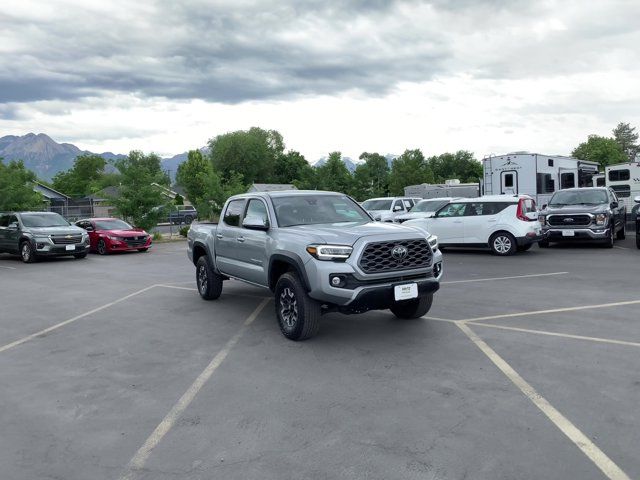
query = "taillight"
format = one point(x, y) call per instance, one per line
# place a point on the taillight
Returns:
point(520, 211)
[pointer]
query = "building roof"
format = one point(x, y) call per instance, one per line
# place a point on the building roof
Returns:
point(271, 187)
point(48, 192)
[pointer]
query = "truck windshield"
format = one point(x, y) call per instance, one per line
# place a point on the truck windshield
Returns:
point(429, 205)
point(578, 197)
point(382, 204)
point(43, 220)
point(317, 209)
point(114, 224)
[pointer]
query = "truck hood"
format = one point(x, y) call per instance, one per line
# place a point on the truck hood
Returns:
point(125, 233)
point(569, 209)
point(349, 233)
point(71, 230)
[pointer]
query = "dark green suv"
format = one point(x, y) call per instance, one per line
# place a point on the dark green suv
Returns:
point(38, 234)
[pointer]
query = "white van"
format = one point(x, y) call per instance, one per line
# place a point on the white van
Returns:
point(505, 224)
point(386, 209)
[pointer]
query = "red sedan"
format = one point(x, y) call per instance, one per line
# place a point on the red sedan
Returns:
point(108, 235)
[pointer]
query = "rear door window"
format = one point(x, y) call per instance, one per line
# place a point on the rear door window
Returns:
point(233, 213)
point(452, 210)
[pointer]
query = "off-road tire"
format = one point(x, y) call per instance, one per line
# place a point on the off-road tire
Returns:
point(503, 244)
point(298, 314)
point(609, 241)
point(621, 235)
point(415, 308)
point(209, 282)
point(638, 241)
point(27, 253)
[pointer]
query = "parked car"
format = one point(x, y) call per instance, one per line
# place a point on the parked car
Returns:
point(317, 252)
point(424, 209)
point(33, 235)
point(505, 224)
point(592, 214)
point(637, 200)
point(387, 208)
point(109, 235)
point(183, 214)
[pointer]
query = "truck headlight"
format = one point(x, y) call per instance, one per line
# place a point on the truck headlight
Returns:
point(601, 219)
point(433, 242)
point(330, 252)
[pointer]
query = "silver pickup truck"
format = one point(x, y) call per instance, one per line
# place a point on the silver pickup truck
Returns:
point(318, 252)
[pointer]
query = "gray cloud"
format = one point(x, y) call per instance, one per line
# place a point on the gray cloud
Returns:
point(234, 51)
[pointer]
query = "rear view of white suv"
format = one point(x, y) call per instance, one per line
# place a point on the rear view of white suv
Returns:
point(505, 224)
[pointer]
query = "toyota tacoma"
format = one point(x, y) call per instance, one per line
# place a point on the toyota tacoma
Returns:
point(318, 252)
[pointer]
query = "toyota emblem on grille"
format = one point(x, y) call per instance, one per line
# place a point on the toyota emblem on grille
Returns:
point(568, 220)
point(399, 252)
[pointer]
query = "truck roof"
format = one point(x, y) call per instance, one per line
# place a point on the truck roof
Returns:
point(285, 193)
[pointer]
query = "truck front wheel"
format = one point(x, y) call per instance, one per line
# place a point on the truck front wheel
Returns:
point(298, 314)
point(415, 308)
point(209, 282)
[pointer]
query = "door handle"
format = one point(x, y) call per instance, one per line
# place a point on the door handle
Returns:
point(218, 236)
point(240, 239)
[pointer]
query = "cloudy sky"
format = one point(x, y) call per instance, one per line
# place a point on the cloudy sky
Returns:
point(490, 76)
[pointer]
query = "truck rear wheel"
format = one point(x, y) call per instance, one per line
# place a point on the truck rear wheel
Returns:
point(298, 314)
point(415, 308)
point(209, 282)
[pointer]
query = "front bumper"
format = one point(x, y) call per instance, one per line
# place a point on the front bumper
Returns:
point(44, 249)
point(367, 292)
point(122, 246)
point(598, 234)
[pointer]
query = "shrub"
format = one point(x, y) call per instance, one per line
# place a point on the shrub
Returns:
point(184, 230)
point(157, 236)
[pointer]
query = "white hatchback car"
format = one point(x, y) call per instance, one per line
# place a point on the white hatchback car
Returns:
point(504, 223)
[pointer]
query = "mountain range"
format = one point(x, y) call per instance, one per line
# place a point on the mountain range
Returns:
point(46, 157)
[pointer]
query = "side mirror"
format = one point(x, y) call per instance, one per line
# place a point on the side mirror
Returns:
point(89, 228)
point(544, 207)
point(255, 223)
point(637, 199)
point(614, 204)
point(430, 215)
point(13, 226)
point(397, 208)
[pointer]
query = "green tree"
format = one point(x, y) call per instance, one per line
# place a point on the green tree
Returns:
point(371, 178)
point(251, 153)
point(627, 139)
point(16, 188)
point(461, 165)
point(178, 200)
point(203, 185)
point(292, 167)
point(334, 175)
point(83, 178)
point(602, 150)
point(138, 198)
point(408, 169)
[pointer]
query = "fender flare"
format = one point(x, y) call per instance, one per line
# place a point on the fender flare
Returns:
point(296, 262)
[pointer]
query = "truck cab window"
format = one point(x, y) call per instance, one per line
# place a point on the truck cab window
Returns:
point(257, 208)
point(233, 213)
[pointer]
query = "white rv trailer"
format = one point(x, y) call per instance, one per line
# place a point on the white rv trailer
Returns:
point(624, 179)
point(534, 174)
point(451, 188)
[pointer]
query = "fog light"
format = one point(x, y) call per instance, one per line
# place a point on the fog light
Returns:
point(40, 246)
point(337, 281)
point(437, 268)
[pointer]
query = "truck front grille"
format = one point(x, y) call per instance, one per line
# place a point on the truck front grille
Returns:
point(379, 257)
point(568, 220)
point(66, 239)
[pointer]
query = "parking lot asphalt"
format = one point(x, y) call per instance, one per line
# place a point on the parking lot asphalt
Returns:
point(527, 367)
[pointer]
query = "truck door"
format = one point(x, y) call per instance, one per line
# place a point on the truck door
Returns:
point(509, 182)
point(10, 235)
point(4, 222)
point(226, 242)
point(252, 244)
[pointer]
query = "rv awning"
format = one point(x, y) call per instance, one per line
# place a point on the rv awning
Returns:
point(588, 167)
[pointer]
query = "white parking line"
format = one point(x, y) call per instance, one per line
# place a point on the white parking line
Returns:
point(505, 278)
point(8, 268)
point(590, 449)
point(71, 320)
point(554, 310)
point(140, 458)
point(556, 334)
point(621, 248)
